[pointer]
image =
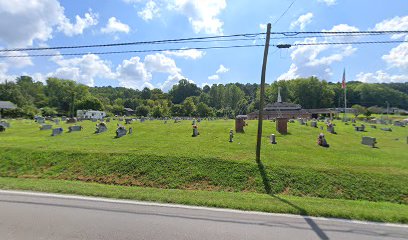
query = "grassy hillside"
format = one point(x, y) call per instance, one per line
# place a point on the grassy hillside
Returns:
point(166, 156)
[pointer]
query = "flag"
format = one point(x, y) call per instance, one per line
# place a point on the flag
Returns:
point(343, 82)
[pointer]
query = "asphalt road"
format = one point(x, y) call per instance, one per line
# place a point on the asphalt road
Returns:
point(50, 216)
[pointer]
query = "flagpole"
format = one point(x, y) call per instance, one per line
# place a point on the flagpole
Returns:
point(345, 103)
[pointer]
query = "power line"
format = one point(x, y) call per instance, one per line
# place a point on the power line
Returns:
point(225, 38)
point(279, 46)
point(283, 14)
point(131, 51)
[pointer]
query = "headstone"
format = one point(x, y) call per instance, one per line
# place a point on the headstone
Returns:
point(360, 129)
point(353, 120)
point(101, 127)
point(370, 141)
point(45, 127)
point(240, 123)
point(120, 131)
point(321, 127)
point(387, 129)
point(330, 128)
point(142, 119)
point(75, 128)
point(5, 124)
point(94, 120)
point(195, 131)
point(57, 121)
point(231, 136)
point(120, 119)
point(108, 120)
point(282, 125)
point(313, 124)
point(373, 126)
point(40, 120)
point(321, 140)
point(57, 131)
point(130, 130)
point(63, 118)
point(128, 121)
point(2, 128)
point(273, 139)
point(399, 124)
point(71, 120)
point(194, 122)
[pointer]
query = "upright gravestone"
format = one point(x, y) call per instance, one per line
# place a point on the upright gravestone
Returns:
point(130, 130)
point(101, 127)
point(313, 124)
point(120, 131)
point(282, 125)
point(321, 140)
point(40, 120)
point(56, 121)
point(45, 127)
point(57, 131)
point(63, 118)
point(195, 131)
point(273, 139)
point(71, 120)
point(231, 136)
point(128, 121)
point(370, 141)
point(240, 123)
point(75, 128)
point(5, 124)
point(108, 120)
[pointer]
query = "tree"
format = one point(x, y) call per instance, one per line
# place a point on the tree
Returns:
point(157, 112)
point(49, 111)
point(142, 111)
point(182, 90)
point(90, 103)
point(177, 110)
point(358, 109)
point(203, 110)
point(189, 107)
point(146, 93)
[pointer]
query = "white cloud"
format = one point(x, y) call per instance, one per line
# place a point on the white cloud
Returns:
point(398, 57)
point(394, 24)
point(263, 27)
point(302, 21)
point(69, 29)
point(222, 69)
point(82, 69)
point(214, 77)
point(380, 77)
point(187, 54)
point(150, 11)
point(328, 2)
point(114, 25)
point(132, 73)
point(160, 63)
point(22, 22)
point(202, 15)
point(316, 60)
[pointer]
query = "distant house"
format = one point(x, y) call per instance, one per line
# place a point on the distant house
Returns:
point(90, 114)
point(6, 105)
point(129, 111)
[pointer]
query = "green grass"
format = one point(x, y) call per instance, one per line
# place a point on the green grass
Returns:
point(361, 210)
point(165, 156)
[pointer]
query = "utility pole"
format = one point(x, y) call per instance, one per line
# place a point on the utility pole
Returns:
point(261, 100)
point(388, 107)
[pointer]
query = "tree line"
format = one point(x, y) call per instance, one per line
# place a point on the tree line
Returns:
point(64, 97)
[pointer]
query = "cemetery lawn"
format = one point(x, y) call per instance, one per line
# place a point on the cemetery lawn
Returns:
point(162, 162)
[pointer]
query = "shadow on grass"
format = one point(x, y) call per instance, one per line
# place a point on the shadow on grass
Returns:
point(268, 189)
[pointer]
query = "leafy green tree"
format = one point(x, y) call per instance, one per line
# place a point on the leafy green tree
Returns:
point(49, 111)
point(189, 107)
point(358, 109)
point(90, 103)
point(182, 90)
point(177, 110)
point(203, 110)
point(142, 111)
point(146, 93)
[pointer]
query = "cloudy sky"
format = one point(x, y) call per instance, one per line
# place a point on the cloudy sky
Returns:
point(42, 23)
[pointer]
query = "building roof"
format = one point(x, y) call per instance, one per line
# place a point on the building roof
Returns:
point(129, 109)
point(7, 105)
point(282, 106)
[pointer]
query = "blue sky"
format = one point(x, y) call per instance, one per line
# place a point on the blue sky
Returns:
point(39, 23)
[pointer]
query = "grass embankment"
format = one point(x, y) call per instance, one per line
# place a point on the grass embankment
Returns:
point(338, 208)
point(166, 156)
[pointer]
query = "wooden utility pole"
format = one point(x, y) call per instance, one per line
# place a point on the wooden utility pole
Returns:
point(261, 100)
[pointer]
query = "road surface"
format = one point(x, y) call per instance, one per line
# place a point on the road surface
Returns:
point(27, 215)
